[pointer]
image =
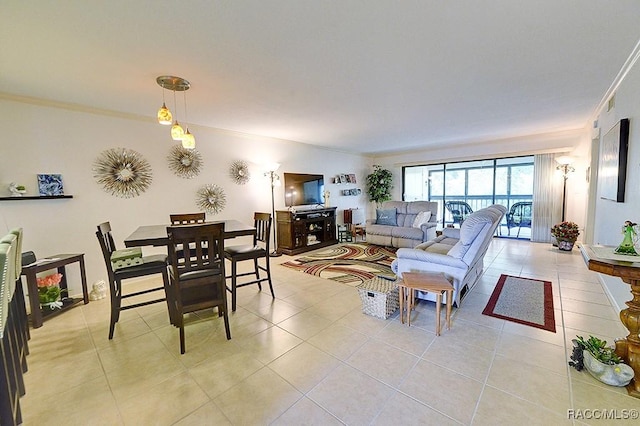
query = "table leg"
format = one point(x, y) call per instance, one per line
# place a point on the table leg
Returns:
point(449, 303)
point(410, 304)
point(83, 278)
point(629, 348)
point(438, 305)
point(401, 297)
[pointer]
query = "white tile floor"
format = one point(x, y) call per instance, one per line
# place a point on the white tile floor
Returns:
point(311, 357)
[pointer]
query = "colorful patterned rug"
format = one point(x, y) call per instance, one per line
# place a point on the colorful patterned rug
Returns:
point(523, 300)
point(351, 263)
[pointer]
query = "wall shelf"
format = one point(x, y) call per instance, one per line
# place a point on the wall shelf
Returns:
point(35, 197)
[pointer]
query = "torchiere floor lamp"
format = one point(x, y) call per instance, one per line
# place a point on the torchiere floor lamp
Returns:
point(275, 181)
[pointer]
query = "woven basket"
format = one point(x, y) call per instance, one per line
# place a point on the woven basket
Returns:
point(379, 297)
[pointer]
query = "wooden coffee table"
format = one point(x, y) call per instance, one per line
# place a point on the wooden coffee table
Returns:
point(429, 282)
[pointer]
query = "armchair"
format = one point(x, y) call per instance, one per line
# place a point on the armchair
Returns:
point(458, 253)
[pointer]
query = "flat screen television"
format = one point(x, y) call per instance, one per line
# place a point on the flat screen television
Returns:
point(303, 189)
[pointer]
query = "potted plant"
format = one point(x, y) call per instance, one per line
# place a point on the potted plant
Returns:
point(600, 360)
point(566, 233)
point(379, 184)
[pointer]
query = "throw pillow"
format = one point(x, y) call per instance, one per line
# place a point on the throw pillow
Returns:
point(422, 217)
point(386, 217)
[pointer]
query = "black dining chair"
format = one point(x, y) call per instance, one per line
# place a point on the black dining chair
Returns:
point(258, 250)
point(187, 218)
point(196, 282)
point(155, 264)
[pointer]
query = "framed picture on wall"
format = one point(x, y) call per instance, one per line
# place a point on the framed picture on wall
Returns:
point(50, 184)
point(613, 162)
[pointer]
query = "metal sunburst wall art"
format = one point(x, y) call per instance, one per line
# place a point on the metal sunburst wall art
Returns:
point(239, 172)
point(122, 172)
point(211, 198)
point(184, 162)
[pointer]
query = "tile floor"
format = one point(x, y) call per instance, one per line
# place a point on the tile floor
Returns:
point(311, 357)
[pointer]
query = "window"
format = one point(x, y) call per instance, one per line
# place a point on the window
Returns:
point(476, 183)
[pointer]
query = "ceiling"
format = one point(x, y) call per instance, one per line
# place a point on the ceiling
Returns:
point(365, 76)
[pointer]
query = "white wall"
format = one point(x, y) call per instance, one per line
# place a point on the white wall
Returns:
point(39, 138)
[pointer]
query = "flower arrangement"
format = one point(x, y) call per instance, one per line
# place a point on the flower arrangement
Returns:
point(379, 184)
point(49, 290)
point(565, 231)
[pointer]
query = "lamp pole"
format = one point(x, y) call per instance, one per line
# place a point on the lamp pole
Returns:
point(565, 168)
point(274, 177)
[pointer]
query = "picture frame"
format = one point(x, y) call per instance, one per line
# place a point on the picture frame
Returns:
point(613, 162)
point(50, 185)
point(343, 178)
point(352, 178)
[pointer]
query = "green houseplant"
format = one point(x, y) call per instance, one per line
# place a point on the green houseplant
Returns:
point(379, 184)
point(600, 360)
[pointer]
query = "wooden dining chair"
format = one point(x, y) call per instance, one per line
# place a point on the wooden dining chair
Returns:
point(155, 264)
point(187, 218)
point(197, 282)
point(258, 250)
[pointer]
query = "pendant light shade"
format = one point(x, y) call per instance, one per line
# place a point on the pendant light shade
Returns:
point(164, 115)
point(188, 140)
point(175, 84)
point(177, 132)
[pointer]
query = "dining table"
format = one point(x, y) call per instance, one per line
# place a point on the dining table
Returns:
point(156, 235)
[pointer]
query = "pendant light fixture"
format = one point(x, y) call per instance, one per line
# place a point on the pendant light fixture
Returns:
point(177, 132)
point(176, 84)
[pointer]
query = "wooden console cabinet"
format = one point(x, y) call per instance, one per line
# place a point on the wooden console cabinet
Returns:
point(305, 230)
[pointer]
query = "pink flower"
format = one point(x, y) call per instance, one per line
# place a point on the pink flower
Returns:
point(49, 280)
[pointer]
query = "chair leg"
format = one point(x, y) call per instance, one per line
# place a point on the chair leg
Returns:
point(182, 344)
point(115, 308)
point(257, 270)
point(233, 285)
point(225, 314)
point(273, 295)
point(168, 293)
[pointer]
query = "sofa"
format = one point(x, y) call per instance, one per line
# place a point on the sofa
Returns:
point(458, 253)
point(396, 226)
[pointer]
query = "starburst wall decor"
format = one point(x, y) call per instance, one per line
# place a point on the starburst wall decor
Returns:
point(122, 172)
point(239, 172)
point(211, 198)
point(184, 162)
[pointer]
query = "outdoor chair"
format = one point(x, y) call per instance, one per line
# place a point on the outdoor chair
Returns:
point(459, 210)
point(519, 216)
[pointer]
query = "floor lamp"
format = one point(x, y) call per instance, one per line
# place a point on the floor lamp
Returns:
point(564, 165)
point(275, 181)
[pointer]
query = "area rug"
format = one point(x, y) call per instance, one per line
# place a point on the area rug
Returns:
point(523, 300)
point(351, 263)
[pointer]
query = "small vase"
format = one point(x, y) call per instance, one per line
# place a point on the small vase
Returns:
point(565, 245)
point(614, 375)
point(49, 297)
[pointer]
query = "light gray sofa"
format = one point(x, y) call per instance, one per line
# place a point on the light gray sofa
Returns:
point(458, 253)
point(403, 234)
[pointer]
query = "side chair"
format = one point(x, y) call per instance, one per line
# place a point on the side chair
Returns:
point(187, 218)
point(259, 250)
point(197, 282)
point(155, 264)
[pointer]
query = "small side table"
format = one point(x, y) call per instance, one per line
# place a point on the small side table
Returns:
point(429, 282)
point(360, 230)
point(59, 261)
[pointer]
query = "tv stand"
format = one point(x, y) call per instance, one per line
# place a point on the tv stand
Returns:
point(305, 230)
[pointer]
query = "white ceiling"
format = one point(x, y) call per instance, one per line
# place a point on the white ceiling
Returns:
point(365, 76)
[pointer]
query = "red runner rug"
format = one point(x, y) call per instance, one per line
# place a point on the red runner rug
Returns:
point(524, 301)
